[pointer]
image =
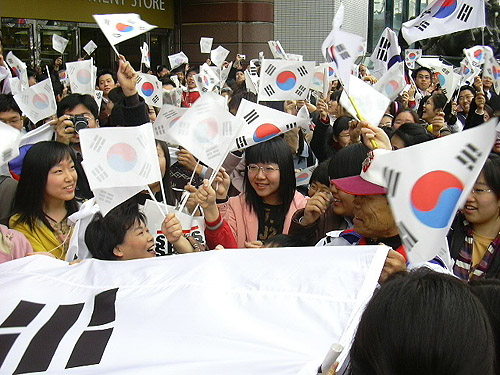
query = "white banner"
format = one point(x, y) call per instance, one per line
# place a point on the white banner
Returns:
point(81, 77)
point(246, 311)
point(206, 44)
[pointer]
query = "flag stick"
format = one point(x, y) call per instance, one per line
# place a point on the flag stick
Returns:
point(163, 193)
point(154, 199)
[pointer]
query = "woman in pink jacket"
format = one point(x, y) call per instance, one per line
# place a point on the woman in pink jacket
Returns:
point(266, 207)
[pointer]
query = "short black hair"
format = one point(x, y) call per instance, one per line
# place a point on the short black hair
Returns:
point(412, 134)
point(282, 240)
point(320, 174)
point(71, 101)
point(7, 103)
point(167, 81)
point(415, 72)
point(347, 161)
point(106, 71)
point(104, 233)
point(236, 99)
point(491, 172)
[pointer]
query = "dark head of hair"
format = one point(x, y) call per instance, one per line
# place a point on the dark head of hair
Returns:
point(413, 114)
point(467, 87)
point(411, 326)
point(339, 125)
point(30, 193)
point(71, 101)
point(416, 71)
point(236, 99)
point(347, 161)
point(103, 234)
point(167, 184)
point(335, 95)
point(7, 103)
point(193, 69)
point(57, 86)
point(412, 134)
point(106, 71)
point(491, 172)
point(167, 81)
point(320, 174)
point(160, 67)
point(116, 95)
point(282, 240)
point(440, 101)
point(275, 150)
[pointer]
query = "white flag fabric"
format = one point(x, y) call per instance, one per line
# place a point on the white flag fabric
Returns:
point(81, 219)
point(98, 97)
point(109, 198)
point(392, 82)
point(445, 17)
point(177, 60)
point(145, 56)
point(166, 119)
point(430, 62)
point(294, 57)
point(332, 70)
point(251, 82)
point(193, 226)
point(37, 102)
point(9, 143)
point(16, 85)
point(303, 176)
point(172, 96)
point(90, 47)
point(447, 80)
point(386, 53)
point(207, 130)
point(218, 56)
point(19, 69)
point(81, 77)
point(425, 193)
point(206, 44)
point(491, 69)
point(476, 55)
point(224, 74)
point(320, 81)
point(121, 26)
point(467, 71)
point(263, 123)
point(59, 43)
point(150, 88)
point(40, 134)
point(261, 311)
point(411, 57)
point(285, 80)
point(207, 79)
point(370, 103)
point(277, 50)
point(120, 157)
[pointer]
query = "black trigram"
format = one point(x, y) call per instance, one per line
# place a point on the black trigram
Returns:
point(300, 90)
point(144, 171)
point(167, 115)
point(241, 142)
point(251, 116)
point(212, 152)
point(382, 53)
point(290, 126)
point(48, 88)
point(269, 90)
point(97, 143)
point(406, 236)
point(99, 173)
point(106, 21)
point(392, 180)
point(342, 51)
point(6, 155)
point(43, 346)
point(270, 70)
point(464, 12)
point(302, 71)
point(159, 130)
point(423, 25)
point(105, 196)
point(139, 79)
point(34, 114)
point(156, 99)
point(468, 156)
point(204, 89)
point(227, 129)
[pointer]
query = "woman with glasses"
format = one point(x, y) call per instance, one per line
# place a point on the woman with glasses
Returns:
point(266, 206)
point(474, 238)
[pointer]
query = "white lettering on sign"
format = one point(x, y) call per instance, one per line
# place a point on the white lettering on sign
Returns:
point(148, 4)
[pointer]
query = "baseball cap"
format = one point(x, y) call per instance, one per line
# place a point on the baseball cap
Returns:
point(371, 180)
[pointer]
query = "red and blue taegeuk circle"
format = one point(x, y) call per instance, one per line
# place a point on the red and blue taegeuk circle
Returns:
point(40, 101)
point(392, 88)
point(124, 28)
point(447, 8)
point(83, 76)
point(286, 80)
point(147, 88)
point(434, 197)
point(122, 157)
point(206, 130)
point(265, 131)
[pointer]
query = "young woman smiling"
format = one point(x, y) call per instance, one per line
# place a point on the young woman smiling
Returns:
point(45, 197)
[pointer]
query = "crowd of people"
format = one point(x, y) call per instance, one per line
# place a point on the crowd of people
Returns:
point(254, 202)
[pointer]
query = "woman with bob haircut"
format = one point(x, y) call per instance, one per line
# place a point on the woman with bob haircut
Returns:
point(408, 135)
point(423, 322)
point(266, 206)
point(45, 197)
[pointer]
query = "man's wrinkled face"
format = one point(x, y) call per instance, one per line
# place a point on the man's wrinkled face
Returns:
point(373, 217)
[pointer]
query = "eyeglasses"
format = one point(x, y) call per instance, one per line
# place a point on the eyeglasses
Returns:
point(13, 122)
point(480, 191)
point(254, 169)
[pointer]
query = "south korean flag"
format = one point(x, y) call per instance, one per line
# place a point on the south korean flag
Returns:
point(425, 193)
point(285, 80)
point(150, 89)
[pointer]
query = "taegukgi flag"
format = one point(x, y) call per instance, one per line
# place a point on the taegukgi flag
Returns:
point(392, 82)
point(81, 76)
point(285, 80)
point(109, 198)
point(263, 123)
point(121, 26)
point(104, 317)
point(167, 118)
point(425, 193)
point(386, 53)
point(38, 101)
point(218, 56)
point(10, 138)
point(206, 44)
point(448, 80)
point(90, 47)
point(19, 69)
point(145, 55)
point(59, 43)
point(150, 88)
point(445, 17)
point(177, 60)
point(491, 69)
point(477, 55)
point(411, 57)
point(207, 79)
point(120, 157)
point(277, 50)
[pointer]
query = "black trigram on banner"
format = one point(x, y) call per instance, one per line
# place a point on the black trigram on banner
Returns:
point(468, 156)
point(156, 99)
point(270, 70)
point(145, 170)
point(384, 46)
point(300, 90)
point(302, 71)
point(423, 25)
point(159, 130)
point(406, 236)
point(465, 12)
point(139, 79)
point(251, 116)
point(97, 143)
point(40, 351)
point(105, 196)
point(290, 126)
point(7, 154)
point(212, 152)
point(241, 142)
point(392, 180)
point(99, 173)
point(227, 129)
point(269, 90)
point(342, 51)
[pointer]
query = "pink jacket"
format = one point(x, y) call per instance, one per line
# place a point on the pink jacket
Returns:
point(20, 245)
point(245, 224)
